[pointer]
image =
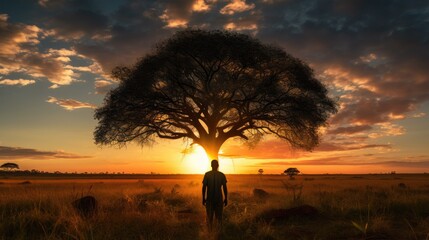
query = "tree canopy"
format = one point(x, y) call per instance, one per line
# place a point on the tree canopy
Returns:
point(211, 86)
point(292, 172)
point(9, 166)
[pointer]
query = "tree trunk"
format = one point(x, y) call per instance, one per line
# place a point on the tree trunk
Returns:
point(212, 155)
point(212, 150)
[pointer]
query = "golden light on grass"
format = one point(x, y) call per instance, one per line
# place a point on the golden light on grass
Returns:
point(375, 206)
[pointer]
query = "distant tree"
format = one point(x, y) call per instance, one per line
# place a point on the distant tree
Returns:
point(211, 86)
point(9, 166)
point(261, 171)
point(291, 172)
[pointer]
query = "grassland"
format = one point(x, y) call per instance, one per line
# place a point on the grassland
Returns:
point(169, 207)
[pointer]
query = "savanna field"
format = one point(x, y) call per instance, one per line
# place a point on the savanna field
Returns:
point(391, 206)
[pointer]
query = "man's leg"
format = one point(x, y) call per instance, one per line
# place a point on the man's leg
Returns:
point(210, 213)
point(218, 213)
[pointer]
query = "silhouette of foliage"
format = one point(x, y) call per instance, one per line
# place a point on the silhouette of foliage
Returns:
point(9, 166)
point(292, 172)
point(211, 86)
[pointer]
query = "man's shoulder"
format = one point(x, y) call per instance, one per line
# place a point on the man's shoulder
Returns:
point(208, 174)
point(214, 173)
point(223, 175)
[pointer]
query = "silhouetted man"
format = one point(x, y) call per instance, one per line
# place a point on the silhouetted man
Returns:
point(212, 183)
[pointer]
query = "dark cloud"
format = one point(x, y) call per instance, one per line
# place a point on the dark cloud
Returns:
point(177, 13)
point(80, 23)
point(30, 153)
point(125, 47)
point(350, 130)
point(373, 50)
point(138, 26)
point(74, 19)
point(58, 5)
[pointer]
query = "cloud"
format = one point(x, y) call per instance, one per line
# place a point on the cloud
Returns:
point(388, 129)
point(318, 161)
point(278, 149)
point(233, 26)
point(371, 59)
point(350, 129)
point(77, 23)
point(137, 27)
point(103, 86)
point(344, 161)
point(73, 20)
point(269, 149)
point(374, 65)
point(237, 6)
point(19, 53)
point(349, 146)
point(244, 24)
point(70, 104)
point(15, 39)
point(43, 65)
point(173, 22)
point(21, 82)
point(200, 6)
point(177, 13)
point(372, 109)
point(29, 153)
point(14, 36)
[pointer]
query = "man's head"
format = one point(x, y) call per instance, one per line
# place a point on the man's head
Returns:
point(215, 164)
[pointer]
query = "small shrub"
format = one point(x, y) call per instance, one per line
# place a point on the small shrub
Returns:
point(86, 206)
point(260, 193)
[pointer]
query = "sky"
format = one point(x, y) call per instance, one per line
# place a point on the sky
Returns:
point(56, 57)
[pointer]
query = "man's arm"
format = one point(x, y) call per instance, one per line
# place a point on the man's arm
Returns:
point(204, 193)
point(225, 194)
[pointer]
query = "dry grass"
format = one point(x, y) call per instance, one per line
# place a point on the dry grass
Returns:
point(350, 206)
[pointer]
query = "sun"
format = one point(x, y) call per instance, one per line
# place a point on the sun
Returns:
point(196, 160)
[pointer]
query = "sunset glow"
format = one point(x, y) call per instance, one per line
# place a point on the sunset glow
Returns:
point(56, 58)
point(196, 161)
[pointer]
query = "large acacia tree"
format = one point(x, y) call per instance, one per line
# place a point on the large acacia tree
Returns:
point(210, 86)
